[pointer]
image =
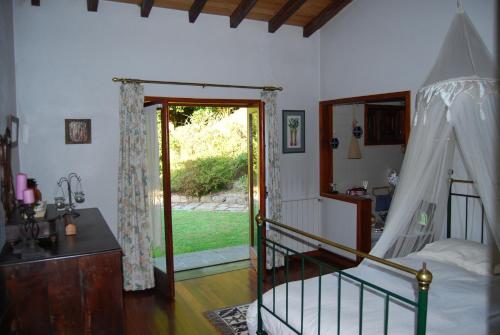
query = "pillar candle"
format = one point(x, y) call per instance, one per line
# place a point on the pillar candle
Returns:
point(21, 185)
point(29, 196)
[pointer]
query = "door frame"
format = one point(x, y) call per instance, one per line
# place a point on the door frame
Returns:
point(166, 281)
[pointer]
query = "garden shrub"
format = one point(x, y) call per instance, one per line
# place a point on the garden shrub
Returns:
point(203, 176)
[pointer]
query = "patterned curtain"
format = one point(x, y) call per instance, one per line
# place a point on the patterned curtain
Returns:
point(134, 228)
point(273, 175)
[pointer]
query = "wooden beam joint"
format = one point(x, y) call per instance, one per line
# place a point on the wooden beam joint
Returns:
point(196, 9)
point(92, 5)
point(284, 14)
point(326, 15)
point(241, 12)
point(146, 6)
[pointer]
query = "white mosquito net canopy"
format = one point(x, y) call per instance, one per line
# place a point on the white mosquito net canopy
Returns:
point(455, 128)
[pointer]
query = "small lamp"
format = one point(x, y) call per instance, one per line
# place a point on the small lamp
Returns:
point(354, 151)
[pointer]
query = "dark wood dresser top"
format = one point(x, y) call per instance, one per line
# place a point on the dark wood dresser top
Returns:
point(93, 237)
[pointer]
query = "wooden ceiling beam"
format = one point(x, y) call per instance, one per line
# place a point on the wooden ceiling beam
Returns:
point(196, 9)
point(35, 2)
point(326, 15)
point(92, 5)
point(241, 12)
point(284, 14)
point(146, 6)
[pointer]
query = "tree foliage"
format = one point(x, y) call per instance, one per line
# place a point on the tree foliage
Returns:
point(208, 152)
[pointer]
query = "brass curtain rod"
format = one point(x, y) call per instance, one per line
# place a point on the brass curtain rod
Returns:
point(182, 83)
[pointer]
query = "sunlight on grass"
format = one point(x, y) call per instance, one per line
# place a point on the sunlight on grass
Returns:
point(205, 230)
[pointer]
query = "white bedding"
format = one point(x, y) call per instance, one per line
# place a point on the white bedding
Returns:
point(460, 303)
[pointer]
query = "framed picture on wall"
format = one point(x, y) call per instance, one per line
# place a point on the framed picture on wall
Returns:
point(78, 131)
point(294, 131)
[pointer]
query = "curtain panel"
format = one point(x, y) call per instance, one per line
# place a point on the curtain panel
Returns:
point(134, 225)
point(274, 200)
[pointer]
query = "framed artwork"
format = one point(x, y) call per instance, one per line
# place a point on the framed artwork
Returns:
point(294, 130)
point(13, 125)
point(78, 131)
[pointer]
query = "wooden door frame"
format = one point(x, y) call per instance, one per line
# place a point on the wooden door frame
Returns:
point(167, 282)
point(262, 182)
point(326, 129)
point(363, 211)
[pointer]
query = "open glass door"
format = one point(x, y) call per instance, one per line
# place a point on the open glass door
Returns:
point(256, 175)
point(166, 209)
point(158, 197)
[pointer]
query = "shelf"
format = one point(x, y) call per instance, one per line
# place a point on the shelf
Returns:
point(355, 199)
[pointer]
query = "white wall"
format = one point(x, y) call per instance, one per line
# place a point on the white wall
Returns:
point(66, 57)
point(7, 86)
point(390, 45)
point(384, 46)
point(340, 227)
point(375, 162)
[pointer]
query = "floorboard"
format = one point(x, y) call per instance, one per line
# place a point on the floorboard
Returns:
point(149, 313)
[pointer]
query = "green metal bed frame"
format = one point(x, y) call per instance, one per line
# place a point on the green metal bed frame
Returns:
point(423, 278)
point(467, 197)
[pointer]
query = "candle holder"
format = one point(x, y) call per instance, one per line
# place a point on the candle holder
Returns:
point(31, 227)
point(29, 230)
point(77, 195)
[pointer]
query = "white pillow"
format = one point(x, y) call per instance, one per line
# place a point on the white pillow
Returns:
point(470, 255)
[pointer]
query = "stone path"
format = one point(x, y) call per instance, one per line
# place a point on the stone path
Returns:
point(209, 206)
point(205, 258)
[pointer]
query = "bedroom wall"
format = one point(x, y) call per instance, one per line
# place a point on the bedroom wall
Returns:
point(66, 57)
point(7, 86)
point(385, 46)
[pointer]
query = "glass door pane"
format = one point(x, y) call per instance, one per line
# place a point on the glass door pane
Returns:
point(156, 137)
point(155, 186)
point(208, 166)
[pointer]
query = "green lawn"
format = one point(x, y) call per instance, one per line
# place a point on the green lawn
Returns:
point(204, 230)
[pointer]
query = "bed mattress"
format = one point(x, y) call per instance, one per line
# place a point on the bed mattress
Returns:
point(460, 302)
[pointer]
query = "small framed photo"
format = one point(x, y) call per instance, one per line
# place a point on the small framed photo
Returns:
point(294, 130)
point(78, 131)
point(13, 125)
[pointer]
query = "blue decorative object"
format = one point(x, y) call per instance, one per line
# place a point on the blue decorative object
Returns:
point(334, 143)
point(357, 131)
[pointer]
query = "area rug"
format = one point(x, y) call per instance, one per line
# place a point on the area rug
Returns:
point(229, 320)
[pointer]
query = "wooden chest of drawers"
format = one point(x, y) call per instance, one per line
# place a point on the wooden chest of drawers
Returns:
point(74, 288)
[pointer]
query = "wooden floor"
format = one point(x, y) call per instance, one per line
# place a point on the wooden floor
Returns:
point(147, 313)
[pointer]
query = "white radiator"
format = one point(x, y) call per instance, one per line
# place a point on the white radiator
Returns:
point(303, 214)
